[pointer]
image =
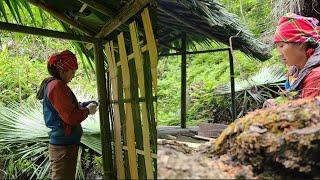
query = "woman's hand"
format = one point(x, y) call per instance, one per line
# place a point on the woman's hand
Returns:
point(92, 108)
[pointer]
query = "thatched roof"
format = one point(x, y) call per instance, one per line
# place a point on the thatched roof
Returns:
point(203, 20)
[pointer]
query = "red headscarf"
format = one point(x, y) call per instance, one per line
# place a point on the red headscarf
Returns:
point(64, 60)
point(297, 29)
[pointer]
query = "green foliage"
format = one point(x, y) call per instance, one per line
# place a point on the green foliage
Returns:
point(205, 72)
point(19, 77)
point(254, 13)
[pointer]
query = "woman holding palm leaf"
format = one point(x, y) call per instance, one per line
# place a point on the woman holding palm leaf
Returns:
point(63, 114)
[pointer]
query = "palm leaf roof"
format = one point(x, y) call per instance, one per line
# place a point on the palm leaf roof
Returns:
point(203, 20)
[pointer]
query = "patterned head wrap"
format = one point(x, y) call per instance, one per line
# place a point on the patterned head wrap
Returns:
point(64, 60)
point(293, 28)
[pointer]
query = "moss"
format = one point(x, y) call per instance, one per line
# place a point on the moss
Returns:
point(288, 134)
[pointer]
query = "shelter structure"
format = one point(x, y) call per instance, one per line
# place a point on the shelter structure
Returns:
point(118, 36)
point(184, 24)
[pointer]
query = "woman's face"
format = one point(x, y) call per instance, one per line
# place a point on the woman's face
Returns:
point(67, 76)
point(292, 54)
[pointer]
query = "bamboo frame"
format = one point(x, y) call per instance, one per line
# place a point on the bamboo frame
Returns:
point(132, 128)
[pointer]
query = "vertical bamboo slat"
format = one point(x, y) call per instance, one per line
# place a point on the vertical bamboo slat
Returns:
point(103, 113)
point(139, 68)
point(152, 47)
point(117, 123)
point(128, 109)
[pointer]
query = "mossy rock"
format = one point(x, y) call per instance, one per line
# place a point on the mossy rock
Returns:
point(285, 136)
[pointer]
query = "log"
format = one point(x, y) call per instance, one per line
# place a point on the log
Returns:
point(285, 137)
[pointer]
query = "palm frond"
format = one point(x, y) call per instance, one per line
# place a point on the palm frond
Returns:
point(16, 8)
point(271, 75)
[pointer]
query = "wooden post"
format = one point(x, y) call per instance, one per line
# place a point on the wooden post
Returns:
point(103, 113)
point(233, 94)
point(183, 80)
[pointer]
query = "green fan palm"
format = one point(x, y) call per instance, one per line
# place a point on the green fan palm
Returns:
point(24, 137)
point(266, 76)
point(254, 90)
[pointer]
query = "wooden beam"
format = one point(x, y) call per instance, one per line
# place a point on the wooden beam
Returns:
point(63, 17)
point(99, 7)
point(104, 112)
point(45, 32)
point(130, 9)
point(183, 104)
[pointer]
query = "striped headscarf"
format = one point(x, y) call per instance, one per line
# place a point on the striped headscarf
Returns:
point(293, 28)
point(64, 60)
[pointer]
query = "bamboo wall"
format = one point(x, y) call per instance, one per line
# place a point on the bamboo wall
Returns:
point(132, 68)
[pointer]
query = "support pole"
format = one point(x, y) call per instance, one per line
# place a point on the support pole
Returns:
point(105, 134)
point(233, 94)
point(183, 80)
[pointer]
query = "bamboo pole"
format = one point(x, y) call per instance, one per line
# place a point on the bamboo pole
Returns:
point(152, 47)
point(103, 113)
point(140, 72)
point(150, 64)
point(117, 122)
point(128, 108)
point(122, 115)
point(137, 117)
